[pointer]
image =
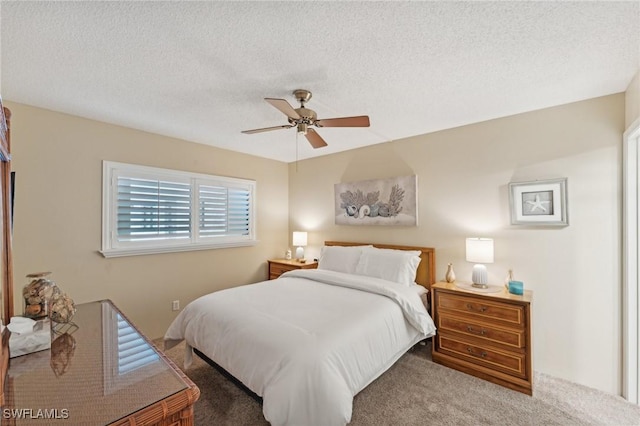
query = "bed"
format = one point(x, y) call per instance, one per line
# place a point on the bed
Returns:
point(309, 341)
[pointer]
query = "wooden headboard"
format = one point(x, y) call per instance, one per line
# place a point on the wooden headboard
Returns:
point(426, 274)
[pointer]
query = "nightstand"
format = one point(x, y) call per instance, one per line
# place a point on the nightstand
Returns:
point(278, 267)
point(487, 335)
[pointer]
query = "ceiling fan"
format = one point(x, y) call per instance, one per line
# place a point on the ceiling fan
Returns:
point(302, 118)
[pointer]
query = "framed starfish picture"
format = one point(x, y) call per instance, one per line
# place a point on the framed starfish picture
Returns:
point(540, 202)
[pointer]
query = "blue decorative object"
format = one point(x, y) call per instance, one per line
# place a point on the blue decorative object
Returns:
point(516, 287)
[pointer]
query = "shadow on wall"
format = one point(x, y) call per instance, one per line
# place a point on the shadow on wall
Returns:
point(375, 162)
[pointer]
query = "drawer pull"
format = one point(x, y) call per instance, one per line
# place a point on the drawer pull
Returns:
point(482, 331)
point(470, 307)
point(482, 354)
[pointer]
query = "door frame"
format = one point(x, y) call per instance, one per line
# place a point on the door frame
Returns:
point(631, 263)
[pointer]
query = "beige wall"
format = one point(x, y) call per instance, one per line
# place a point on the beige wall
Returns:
point(463, 174)
point(58, 163)
point(632, 101)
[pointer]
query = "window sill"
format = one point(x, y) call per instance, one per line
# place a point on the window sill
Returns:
point(122, 252)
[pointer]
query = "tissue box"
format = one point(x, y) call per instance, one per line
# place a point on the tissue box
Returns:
point(36, 340)
point(516, 287)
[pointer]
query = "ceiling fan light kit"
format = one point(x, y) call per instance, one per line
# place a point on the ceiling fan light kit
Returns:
point(302, 118)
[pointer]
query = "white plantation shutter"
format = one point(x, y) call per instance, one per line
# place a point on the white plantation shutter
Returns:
point(224, 211)
point(151, 210)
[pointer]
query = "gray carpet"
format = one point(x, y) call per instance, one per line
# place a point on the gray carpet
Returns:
point(416, 391)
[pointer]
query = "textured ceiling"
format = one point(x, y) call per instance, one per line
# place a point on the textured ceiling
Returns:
point(199, 70)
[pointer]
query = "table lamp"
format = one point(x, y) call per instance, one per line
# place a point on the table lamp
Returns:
point(299, 240)
point(479, 251)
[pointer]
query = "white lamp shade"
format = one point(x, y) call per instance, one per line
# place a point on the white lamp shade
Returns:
point(300, 239)
point(480, 250)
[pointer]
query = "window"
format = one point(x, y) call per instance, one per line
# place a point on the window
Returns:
point(150, 210)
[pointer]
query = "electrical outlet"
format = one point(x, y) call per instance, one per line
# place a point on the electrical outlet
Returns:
point(175, 305)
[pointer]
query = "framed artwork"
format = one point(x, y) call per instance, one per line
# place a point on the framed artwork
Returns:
point(540, 202)
point(391, 201)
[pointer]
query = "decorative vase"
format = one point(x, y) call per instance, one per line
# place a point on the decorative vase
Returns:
point(450, 276)
point(37, 294)
point(508, 278)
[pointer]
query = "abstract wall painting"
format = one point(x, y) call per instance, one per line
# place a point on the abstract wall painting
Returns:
point(391, 202)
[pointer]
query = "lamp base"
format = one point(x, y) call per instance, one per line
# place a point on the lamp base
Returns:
point(479, 285)
point(299, 253)
point(479, 276)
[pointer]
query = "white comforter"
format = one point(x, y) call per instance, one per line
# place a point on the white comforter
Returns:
point(306, 342)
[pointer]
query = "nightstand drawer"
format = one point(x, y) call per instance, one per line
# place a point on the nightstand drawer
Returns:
point(505, 336)
point(513, 363)
point(483, 308)
point(278, 269)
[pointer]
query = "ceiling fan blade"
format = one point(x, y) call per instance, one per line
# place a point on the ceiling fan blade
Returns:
point(359, 121)
point(314, 139)
point(284, 107)
point(266, 129)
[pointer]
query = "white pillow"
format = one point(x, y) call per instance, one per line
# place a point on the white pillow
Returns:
point(399, 266)
point(340, 258)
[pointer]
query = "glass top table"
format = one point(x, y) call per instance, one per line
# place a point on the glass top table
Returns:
point(100, 370)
